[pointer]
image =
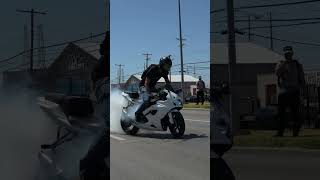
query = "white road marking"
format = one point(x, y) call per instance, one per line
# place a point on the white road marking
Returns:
point(197, 120)
point(117, 138)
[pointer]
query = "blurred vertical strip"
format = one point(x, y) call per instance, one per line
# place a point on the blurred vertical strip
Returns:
point(107, 58)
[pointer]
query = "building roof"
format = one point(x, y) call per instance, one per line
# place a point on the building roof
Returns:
point(247, 53)
point(90, 47)
point(175, 78)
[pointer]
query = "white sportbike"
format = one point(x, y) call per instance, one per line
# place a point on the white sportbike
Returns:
point(163, 113)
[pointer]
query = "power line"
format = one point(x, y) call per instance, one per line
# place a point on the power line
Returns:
point(289, 41)
point(94, 50)
point(266, 20)
point(274, 26)
point(283, 25)
point(268, 5)
point(176, 65)
point(199, 62)
point(10, 63)
point(53, 45)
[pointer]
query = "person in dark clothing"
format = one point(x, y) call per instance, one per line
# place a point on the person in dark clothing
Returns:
point(290, 80)
point(148, 82)
point(94, 163)
point(200, 90)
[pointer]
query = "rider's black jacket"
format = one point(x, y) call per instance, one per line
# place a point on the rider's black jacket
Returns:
point(153, 73)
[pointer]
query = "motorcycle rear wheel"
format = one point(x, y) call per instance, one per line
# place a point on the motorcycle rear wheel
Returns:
point(128, 128)
point(177, 130)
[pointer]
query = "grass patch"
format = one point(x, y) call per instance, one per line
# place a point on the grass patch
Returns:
point(309, 138)
point(206, 105)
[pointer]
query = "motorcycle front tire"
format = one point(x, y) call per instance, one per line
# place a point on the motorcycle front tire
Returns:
point(179, 125)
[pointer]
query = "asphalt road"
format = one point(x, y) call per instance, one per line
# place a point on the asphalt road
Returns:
point(267, 164)
point(156, 156)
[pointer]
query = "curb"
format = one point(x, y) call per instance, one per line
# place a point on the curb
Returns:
point(202, 109)
point(296, 149)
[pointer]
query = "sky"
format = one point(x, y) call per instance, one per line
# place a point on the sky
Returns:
point(65, 21)
point(144, 26)
point(307, 55)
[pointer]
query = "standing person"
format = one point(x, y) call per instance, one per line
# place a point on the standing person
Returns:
point(290, 80)
point(200, 90)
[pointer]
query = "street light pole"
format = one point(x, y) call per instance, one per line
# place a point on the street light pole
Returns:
point(181, 52)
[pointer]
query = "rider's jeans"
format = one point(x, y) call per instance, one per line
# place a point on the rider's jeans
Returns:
point(145, 94)
point(145, 98)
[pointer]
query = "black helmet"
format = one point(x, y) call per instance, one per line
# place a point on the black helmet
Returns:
point(165, 63)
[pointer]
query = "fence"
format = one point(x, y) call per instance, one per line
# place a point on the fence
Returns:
point(310, 106)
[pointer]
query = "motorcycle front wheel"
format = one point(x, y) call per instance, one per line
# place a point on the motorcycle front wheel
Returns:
point(178, 128)
point(128, 128)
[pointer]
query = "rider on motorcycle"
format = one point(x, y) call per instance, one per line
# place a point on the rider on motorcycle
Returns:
point(149, 79)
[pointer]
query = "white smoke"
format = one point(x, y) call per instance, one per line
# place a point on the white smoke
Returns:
point(117, 102)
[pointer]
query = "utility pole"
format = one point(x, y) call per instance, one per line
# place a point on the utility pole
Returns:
point(41, 50)
point(123, 74)
point(119, 72)
point(181, 52)
point(182, 41)
point(249, 28)
point(147, 59)
point(32, 12)
point(232, 63)
point(106, 15)
point(26, 44)
point(271, 33)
